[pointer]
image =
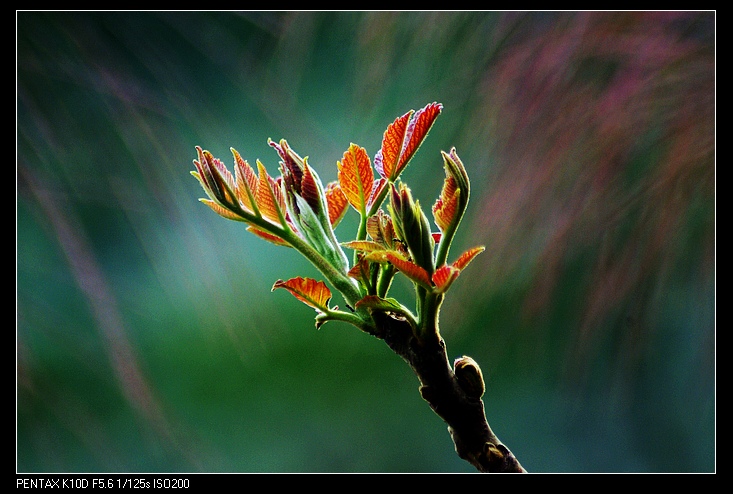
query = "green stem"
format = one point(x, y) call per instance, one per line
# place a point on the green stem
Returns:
point(361, 233)
point(351, 318)
point(338, 251)
point(373, 281)
point(386, 274)
point(341, 281)
point(429, 311)
point(444, 244)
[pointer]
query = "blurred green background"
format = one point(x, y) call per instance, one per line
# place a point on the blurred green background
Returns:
point(147, 336)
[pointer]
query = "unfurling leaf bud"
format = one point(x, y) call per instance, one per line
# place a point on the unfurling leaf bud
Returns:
point(450, 206)
point(412, 227)
point(454, 168)
point(307, 205)
point(469, 376)
point(299, 178)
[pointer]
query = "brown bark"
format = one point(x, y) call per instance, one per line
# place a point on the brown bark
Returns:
point(457, 402)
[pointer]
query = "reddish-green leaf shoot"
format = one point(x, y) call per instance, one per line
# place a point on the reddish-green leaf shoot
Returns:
point(402, 139)
point(309, 291)
point(356, 177)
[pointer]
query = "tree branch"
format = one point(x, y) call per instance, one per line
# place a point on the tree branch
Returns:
point(457, 401)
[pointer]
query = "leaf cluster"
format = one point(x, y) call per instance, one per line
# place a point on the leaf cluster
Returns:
point(295, 209)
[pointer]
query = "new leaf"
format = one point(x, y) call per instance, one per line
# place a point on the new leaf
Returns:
point(356, 177)
point(402, 138)
point(309, 291)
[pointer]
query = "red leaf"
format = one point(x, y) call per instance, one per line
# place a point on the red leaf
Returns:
point(221, 211)
point(360, 271)
point(309, 190)
point(387, 158)
point(402, 138)
point(364, 245)
point(356, 177)
point(444, 276)
point(269, 196)
point(379, 227)
point(445, 208)
point(467, 257)
point(216, 180)
point(245, 181)
point(418, 128)
point(309, 291)
point(336, 202)
point(409, 269)
point(268, 236)
point(376, 190)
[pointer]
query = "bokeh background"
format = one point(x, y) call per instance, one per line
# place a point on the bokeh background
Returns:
point(147, 336)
